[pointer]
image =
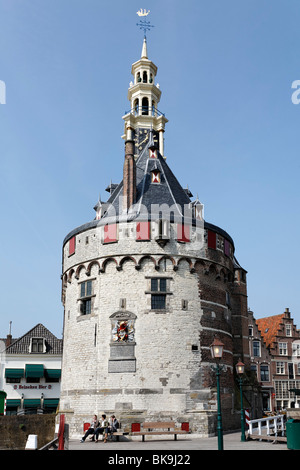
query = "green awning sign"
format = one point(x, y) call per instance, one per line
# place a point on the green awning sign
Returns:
point(14, 373)
point(32, 402)
point(51, 402)
point(34, 370)
point(13, 402)
point(53, 373)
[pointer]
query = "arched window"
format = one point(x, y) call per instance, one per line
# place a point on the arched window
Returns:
point(145, 77)
point(153, 108)
point(136, 106)
point(145, 106)
point(138, 77)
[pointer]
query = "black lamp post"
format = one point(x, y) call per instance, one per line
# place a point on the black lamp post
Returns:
point(240, 367)
point(216, 349)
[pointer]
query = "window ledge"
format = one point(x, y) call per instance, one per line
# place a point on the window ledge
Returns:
point(86, 317)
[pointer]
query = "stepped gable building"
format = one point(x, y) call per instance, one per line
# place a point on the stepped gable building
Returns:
point(282, 339)
point(147, 286)
point(260, 365)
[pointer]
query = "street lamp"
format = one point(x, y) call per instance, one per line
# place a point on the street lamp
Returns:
point(216, 349)
point(240, 367)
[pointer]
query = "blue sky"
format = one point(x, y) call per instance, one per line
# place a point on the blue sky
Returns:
point(225, 70)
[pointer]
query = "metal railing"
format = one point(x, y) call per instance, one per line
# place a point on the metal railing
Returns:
point(145, 111)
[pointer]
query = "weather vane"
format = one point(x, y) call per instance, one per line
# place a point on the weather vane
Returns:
point(144, 24)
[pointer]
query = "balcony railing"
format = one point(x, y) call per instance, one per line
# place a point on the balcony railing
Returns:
point(144, 111)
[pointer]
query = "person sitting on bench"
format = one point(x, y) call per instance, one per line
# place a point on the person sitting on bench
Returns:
point(91, 429)
point(103, 429)
point(114, 424)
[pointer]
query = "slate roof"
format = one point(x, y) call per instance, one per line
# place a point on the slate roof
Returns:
point(168, 191)
point(269, 327)
point(21, 345)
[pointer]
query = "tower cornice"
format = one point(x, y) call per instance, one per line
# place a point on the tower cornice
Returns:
point(143, 63)
point(144, 87)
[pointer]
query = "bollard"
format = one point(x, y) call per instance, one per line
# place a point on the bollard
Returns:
point(31, 443)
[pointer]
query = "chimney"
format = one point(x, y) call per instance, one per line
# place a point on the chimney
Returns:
point(9, 336)
point(287, 312)
point(129, 176)
point(8, 340)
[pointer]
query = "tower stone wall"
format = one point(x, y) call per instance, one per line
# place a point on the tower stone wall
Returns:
point(168, 371)
point(146, 287)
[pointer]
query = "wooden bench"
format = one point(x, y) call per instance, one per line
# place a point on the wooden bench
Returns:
point(157, 428)
point(117, 434)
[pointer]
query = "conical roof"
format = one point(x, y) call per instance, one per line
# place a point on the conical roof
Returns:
point(150, 197)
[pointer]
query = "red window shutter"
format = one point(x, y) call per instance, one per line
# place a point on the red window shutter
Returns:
point(72, 246)
point(110, 233)
point(211, 239)
point(183, 233)
point(226, 247)
point(143, 231)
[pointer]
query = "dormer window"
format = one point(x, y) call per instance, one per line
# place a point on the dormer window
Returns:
point(161, 229)
point(152, 153)
point(37, 345)
point(155, 176)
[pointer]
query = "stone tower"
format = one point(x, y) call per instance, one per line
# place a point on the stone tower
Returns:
point(146, 287)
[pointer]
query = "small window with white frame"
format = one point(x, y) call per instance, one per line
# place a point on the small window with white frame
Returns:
point(296, 349)
point(288, 329)
point(282, 349)
point(280, 369)
point(37, 345)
